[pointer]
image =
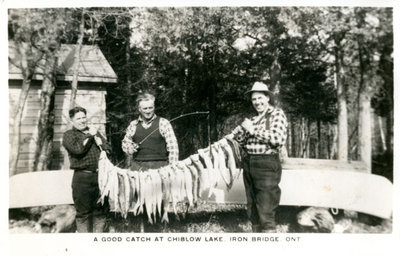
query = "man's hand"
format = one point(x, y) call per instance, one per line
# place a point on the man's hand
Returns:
point(93, 130)
point(248, 126)
point(98, 141)
point(229, 136)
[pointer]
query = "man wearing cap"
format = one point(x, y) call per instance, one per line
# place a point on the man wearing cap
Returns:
point(83, 145)
point(150, 139)
point(262, 137)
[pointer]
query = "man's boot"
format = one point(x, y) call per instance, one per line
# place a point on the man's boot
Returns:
point(82, 225)
point(256, 228)
point(99, 222)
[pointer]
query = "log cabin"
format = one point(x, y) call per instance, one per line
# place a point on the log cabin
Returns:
point(95, 75)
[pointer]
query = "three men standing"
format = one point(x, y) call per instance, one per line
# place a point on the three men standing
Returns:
point(151, 141)
point(83, 146)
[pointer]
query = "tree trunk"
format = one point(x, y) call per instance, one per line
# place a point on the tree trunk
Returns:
point(212, 106)
point(308, 140)
point(289, 136)
point(303, 137)
point(389, 132)
point(46, 117)
point(364, 127)
point(333, 148)
point(342, 149)
point(77, 60)
point(128, 73)
point(27, 72)
point(382, 134)
point(75, 78)
point(328, 142)
point(364, 110)
point(318, 148)
point(292, 127)
point(386, 72)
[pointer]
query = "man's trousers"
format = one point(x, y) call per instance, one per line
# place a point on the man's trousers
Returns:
point(261, 175)
point(90, 215)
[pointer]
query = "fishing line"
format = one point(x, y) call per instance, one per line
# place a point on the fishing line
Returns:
point(176, 118)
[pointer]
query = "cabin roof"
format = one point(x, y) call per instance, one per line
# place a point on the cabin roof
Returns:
point(93, 66)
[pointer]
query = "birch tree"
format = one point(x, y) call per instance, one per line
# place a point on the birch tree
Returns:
point(21, 27)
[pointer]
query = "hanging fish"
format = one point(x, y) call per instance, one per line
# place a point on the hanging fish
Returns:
point(138, 203)
point(226, 174)
point(217, 161)
point(114, 190)
point(148, 187)
point(180, 177)
point(195, 178)
point(237, 154)
point(206, 158)
point(166, 195)
point(104, 176)
point(127, 193)
point(231, 164)
point(175, 188)
point(204, 183)
point(103, 171)
point(122, 195)
point(157, 192)
point(187, 182)
point(133, 198)
point(212, 178)
point(141, 192)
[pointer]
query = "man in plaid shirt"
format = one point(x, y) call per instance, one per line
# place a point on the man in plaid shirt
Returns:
point(262, 137)
point(83, 146)
point(150, 139)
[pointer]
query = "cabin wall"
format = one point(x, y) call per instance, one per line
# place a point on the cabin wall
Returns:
point(91, 96)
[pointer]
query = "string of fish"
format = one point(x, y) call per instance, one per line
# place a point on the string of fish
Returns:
point(153, 191)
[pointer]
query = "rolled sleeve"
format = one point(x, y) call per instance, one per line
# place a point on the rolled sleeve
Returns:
point(276, 135)
point(167, 132)
point(127, 143)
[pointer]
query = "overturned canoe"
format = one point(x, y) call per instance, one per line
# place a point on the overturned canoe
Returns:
point(344, 189)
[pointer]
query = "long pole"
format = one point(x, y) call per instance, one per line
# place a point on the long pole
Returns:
point(173, 119)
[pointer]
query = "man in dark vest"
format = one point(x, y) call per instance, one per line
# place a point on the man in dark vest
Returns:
point(150, 139)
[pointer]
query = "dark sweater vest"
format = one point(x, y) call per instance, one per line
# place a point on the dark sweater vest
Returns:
point(154, 148)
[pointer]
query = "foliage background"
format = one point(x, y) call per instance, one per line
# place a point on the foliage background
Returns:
point(205, 58)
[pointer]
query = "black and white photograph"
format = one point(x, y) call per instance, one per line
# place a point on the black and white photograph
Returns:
point(256, 125)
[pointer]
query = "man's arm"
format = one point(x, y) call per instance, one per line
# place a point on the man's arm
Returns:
point(167, 132)
point(103, 143)
point(239, 134)
point(76, 145)
point(128, 146)
point(276, 135)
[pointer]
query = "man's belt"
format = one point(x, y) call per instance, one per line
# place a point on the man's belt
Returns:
point(266, 153)
point(87, 170)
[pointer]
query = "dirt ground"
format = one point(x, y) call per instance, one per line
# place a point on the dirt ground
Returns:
point(214, 218)
point(207, 218)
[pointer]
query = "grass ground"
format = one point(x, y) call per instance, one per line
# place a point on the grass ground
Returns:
point(209, 218)
point(231, 218)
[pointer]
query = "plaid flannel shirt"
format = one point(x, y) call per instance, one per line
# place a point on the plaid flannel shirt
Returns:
point(264, 141)
point(166, 131)
point(83, 157)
